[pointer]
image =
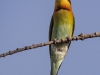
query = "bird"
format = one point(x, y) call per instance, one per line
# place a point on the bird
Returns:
point(62, 25)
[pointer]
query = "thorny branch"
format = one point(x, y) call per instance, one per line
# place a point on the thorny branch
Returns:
point(79, 37)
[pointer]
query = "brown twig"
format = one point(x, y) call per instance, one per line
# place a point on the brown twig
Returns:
point(79, 37)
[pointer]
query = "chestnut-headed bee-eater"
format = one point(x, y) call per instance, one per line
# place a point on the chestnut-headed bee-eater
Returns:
point(61, 26)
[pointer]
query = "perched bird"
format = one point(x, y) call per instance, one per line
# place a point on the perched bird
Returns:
point(61, 26)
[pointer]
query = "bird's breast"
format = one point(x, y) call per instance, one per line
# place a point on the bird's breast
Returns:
point(62, 24)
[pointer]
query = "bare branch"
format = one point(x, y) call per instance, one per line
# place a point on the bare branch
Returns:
point(79, 37)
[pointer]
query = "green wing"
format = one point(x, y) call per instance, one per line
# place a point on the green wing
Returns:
point(50, 34)
point(72, 29)
point(73, 25)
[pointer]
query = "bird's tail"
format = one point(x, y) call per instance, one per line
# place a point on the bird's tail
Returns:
point(55, 67)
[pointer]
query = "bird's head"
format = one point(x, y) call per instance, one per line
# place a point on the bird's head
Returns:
point(63, 4)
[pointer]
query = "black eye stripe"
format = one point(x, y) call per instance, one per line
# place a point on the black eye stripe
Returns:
point(69, 1)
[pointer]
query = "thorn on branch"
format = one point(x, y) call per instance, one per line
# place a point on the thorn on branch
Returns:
point(82, 36)
point(96, 33)
point(3, 55)
point(25, 48)
point(10, 52)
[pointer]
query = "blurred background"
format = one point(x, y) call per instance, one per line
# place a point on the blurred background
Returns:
point(26, 22)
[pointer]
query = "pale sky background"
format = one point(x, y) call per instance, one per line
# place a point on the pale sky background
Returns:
point(26, 22)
